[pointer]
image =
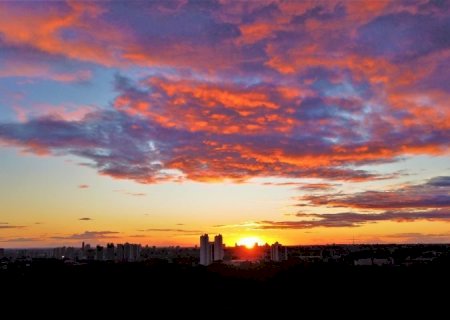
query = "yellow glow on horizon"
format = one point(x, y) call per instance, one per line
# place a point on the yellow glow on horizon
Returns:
point(249, 242)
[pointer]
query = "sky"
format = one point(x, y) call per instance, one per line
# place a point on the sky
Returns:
point(152, 122)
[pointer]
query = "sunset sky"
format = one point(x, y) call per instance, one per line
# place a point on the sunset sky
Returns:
point(294, 121)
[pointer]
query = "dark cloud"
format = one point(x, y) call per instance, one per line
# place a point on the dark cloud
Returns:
point(86, 219)
point(429, 201)
point(20, 240)
point(351, 219)
point(88, 235)
point(405, 35)
point(83, 186)
point(433, 194)
point(8, 226)
point(420, 237)
point(443, 181)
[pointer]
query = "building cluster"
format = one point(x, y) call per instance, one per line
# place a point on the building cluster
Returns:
point(120, 252)
point(215, 252)
point(211, 251)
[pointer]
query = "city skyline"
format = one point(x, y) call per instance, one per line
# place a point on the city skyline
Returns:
point(298, 122)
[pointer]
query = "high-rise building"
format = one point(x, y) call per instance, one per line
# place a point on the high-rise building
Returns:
point(127, 251)
point(90, 253)
point(275, 252)
point(211, 253)
point(205, 250)
point(99, 253)
point(218, 248)
point(135, 253)
point(120, 252)
point(110, 251)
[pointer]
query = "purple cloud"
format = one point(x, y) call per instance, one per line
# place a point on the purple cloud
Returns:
point(351, 219)
point(432, 194)
point(236, 91)
point(442, 181)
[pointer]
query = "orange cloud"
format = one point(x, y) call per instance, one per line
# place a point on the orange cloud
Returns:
point(198, 106)
point(43, 29)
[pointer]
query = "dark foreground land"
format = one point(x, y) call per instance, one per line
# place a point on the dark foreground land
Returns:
point(293, 280)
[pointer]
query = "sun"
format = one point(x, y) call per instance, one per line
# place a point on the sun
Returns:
point(249, 242)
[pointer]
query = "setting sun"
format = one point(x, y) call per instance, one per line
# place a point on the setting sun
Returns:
point(249, 242)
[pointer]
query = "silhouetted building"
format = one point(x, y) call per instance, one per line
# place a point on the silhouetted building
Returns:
point(58, 253)
point(275, 252)
point(87, 253)
point(120, 252)
point(90, 253)
point(99, 253)
point(211, 251)
point(135, 252)
point(110, 251)
point(127, 252)
point(205, 250)
point(218, 248)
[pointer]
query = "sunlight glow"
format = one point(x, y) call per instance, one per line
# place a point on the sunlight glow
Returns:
point(249, 242)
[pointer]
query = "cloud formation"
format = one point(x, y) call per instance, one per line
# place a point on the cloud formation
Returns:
point(8, 226)
point(428, 201)
point(231, 91)
point(352, 219)
point(83, 186)
point(87, 235)
point(418, 237)
point(85, 219)
point(317, 186)
point(21, 239)
point(435, 193)
point(135, 194)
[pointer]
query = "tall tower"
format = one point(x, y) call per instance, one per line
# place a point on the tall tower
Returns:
point(205, 251)
point(218, 248)
point(275, 252)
